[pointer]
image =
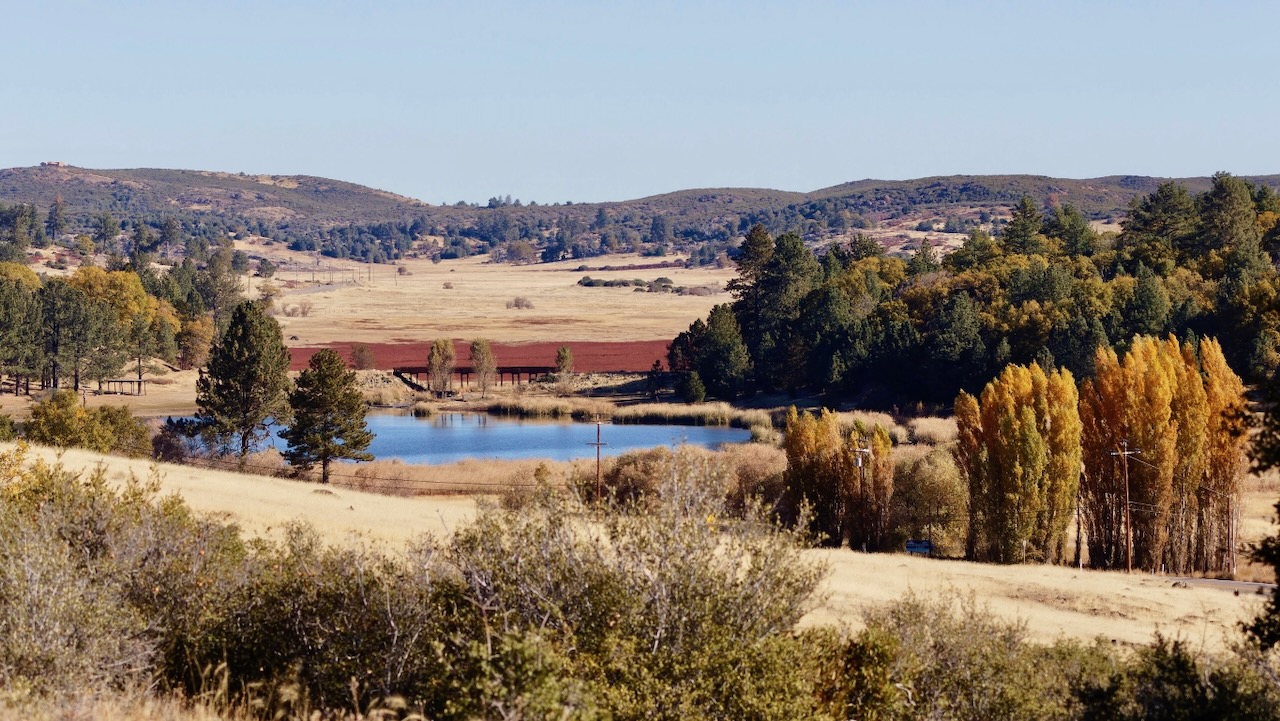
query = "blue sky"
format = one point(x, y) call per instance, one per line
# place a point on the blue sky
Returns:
point(589, 101)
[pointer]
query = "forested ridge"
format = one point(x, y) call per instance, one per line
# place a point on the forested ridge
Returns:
point(855, 322)
point(345, 220)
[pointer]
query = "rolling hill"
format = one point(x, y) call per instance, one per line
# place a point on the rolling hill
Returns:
point(348, 220)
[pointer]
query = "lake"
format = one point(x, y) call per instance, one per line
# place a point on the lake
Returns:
point(450, 437)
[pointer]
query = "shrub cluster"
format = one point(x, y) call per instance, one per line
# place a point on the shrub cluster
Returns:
point(548, 610)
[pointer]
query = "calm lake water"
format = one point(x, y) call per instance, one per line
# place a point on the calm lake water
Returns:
point(451, 437)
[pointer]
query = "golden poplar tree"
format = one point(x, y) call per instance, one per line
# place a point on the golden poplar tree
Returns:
point(1134, 398)
point(1102, 493)
point(876, 480)
point(1181, 419)
point(971, 457)
point(815, 473)
point(1059, 421)
point(1019, 447)
point(1190, 415)
point(1224, 460)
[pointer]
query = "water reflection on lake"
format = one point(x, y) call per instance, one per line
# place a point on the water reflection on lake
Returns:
point(451, 437)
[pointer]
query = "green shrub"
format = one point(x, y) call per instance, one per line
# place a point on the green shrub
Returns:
point(632, 478)
point(673, 614)
point(62, 422)
point(691, 388)
point(8, 431)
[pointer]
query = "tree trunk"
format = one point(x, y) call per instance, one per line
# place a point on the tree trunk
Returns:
point(324, 470)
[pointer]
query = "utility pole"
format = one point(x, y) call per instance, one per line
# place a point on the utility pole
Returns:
point(598, 444)
point(862, 448)
point(1128, 517)
point(1079, 528)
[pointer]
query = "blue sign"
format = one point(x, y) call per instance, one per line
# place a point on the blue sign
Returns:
point(924, 548)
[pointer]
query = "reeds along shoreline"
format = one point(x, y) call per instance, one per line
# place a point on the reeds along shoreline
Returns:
point(701, 414)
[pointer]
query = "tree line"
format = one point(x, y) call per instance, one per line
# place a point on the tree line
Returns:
point(1145, 460)
point(1047, 289)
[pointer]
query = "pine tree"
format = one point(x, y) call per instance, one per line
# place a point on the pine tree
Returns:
point(1022, 234)
point(1158, 228)
point(244, 389)
point(1069, 225)
point(753, 256)
point(924, 260)
point(56, 223)
point(564, 360)
point(483, 364)
point(722, 360)
point(328, 416)
point(105, 230)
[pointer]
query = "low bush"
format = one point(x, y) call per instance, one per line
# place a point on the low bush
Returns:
point(61, 421)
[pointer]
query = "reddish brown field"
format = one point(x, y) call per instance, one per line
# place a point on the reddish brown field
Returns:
point(588, 356)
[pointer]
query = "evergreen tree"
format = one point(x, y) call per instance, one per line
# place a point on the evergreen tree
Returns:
point(749, 296)
point(1228, 216)
point(244, 389)
point(56, 222)
point(692, 390)
point(564, 360)
point(1148, 311)
point(1159, 228)
point(864, 246)
point(105, 230)
point(1068, 224)
point(790, 275)
point(956, 352)
point(1022, 234)
point(722, 361)
point(328, 416)
point(170, 235)
point(977, 252)
point(219, 286)
point(924, 260)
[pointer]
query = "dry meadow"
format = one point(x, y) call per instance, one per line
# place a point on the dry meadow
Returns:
point(1052, 601)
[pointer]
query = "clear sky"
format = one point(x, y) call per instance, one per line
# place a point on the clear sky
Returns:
point(590, 101)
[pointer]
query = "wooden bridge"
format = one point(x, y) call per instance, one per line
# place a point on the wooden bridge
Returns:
point(412, 375)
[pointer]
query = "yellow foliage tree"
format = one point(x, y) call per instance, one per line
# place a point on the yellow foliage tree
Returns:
point(1226, 439)
point(1163, 429)
point(1019, 449)
point(815, 473)
point(846, 479)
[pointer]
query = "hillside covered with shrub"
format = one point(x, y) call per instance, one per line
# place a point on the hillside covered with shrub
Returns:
point(345, 220)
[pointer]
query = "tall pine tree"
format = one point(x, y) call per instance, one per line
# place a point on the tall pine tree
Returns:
point(245, 385)
point(328, 416)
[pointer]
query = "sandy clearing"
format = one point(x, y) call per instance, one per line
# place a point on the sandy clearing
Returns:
point(1053, 601)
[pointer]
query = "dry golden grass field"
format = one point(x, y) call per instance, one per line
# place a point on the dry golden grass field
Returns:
point(1053, 601)
point(467, 298)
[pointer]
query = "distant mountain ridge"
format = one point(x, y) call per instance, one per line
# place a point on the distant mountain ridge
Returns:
point(147, 192)
point(311, 212)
